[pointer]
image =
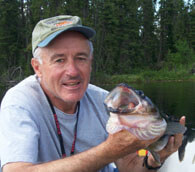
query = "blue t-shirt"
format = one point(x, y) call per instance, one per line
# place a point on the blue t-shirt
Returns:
point(28, 131)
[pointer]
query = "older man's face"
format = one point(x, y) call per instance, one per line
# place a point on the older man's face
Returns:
point(65, 69)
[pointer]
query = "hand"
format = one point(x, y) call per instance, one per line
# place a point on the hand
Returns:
point(172, 146)
point(123, 143)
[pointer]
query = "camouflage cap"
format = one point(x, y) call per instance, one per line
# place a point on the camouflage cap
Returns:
point(46, 30)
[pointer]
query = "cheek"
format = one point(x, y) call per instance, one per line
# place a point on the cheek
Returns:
point(49, 76)
point(88, 68)
point(87, 72)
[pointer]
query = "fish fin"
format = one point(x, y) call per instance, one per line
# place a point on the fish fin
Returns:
point(189, 136)
point(156, 157)
point(174, 128)
point(181, 150)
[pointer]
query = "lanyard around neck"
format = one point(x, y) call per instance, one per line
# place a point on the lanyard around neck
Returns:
point(59, 130)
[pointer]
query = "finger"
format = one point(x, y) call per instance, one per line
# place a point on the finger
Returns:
point(178, 140)
point(179, 137)
point(149, 142)
point(183, 120)
point(169, 147)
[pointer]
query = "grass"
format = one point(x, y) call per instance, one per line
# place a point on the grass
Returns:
point(145, 76)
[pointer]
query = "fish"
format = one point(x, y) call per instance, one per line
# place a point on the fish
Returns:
point(131, 110)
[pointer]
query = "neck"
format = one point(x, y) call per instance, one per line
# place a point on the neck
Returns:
point(66, 107)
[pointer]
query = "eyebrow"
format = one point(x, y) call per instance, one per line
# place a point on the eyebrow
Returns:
point(82, 54)
point(54, 56)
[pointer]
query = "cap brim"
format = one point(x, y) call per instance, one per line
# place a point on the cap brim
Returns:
point(86, 31)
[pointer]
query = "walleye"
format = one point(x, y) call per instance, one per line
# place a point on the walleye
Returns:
point(131, 110)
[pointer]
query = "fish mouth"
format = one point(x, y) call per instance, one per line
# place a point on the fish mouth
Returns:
point(120, 111)
point(133, 108)
point(127, 104)
point(124, 99)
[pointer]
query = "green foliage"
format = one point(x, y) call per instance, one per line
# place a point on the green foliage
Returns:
point(184, 55)
point(191, 26)
point(148, 38)
point(131, 35)
point(145, 75)
point(9, 32)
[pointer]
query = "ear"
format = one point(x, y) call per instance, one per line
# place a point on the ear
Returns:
point(36, 66)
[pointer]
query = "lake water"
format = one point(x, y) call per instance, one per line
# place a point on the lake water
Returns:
point(178, 99)
point(174, 98)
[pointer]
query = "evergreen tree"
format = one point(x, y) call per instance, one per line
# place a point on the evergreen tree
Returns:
point(118, 33)
point(148, 36)
point(191, 28)
point(174, 25)
point(129, 34)
point(10, 40)
point(165, 21)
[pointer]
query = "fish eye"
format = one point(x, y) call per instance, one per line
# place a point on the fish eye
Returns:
point(140, 93)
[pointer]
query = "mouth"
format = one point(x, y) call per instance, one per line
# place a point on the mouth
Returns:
point(72, 84)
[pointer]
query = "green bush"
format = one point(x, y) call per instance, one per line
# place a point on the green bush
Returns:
point(183, 56)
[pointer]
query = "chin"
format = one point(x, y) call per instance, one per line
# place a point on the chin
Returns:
point(71, 98)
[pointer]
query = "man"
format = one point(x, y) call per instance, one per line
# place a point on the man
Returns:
point(55, 121)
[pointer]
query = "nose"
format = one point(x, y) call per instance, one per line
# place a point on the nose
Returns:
point(71, 68)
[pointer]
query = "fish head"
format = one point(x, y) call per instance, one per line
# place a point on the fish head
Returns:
point(125, 100)
point(133, 111)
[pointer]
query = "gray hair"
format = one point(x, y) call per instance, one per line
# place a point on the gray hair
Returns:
point(91, 48)
point(37, 52)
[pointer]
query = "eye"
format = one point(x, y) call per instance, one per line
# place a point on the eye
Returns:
point(81, 58)
point(59, 60)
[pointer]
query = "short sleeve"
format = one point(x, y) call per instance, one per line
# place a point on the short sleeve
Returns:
point(19, 135)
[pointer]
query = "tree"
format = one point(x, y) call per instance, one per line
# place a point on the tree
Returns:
point(174, 25)
point(129, 34)
point(118, 36)
point(148, 29)
point(191, 28)
point(10, 41)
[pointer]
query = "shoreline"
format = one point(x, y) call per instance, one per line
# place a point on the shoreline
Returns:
point(136, 78)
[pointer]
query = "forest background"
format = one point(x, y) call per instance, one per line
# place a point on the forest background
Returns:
point(136, 40)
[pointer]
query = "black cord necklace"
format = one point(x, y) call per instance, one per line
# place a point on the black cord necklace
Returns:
point(59, 130)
